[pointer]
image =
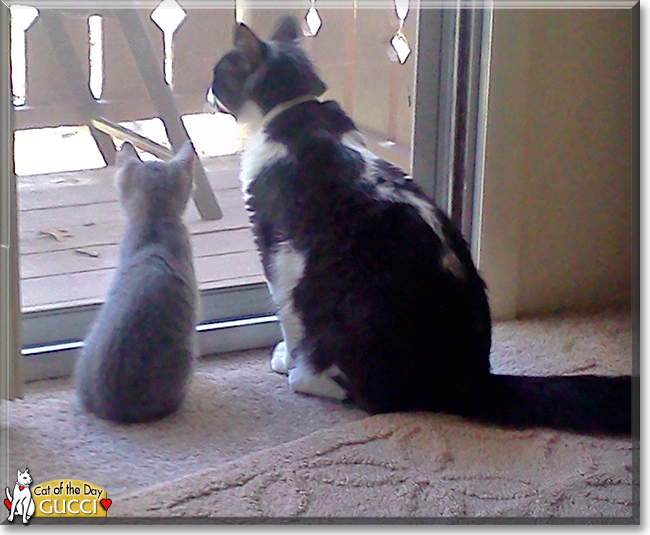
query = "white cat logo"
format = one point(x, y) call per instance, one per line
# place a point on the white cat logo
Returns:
point(21, 503)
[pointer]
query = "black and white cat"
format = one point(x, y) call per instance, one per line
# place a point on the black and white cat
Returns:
point(138, 355)
point(377, 295)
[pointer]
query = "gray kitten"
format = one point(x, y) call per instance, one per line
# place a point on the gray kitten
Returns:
point(137, 357)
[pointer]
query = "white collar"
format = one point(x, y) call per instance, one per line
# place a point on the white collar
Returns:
point(284, 106)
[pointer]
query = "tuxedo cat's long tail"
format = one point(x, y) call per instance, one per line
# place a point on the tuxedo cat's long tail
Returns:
point(583, 404)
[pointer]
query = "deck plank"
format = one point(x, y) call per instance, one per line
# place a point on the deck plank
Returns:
point(85, 204)
point(78, 260)
point(102, 224)
point(96, 185)
point(91, 286)
point(61, 216)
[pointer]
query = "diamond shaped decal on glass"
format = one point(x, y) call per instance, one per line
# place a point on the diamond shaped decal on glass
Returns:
point(399, 49)
point(168, 16)
point(312, 23)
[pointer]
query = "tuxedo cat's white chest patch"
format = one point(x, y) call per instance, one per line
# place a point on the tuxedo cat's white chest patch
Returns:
point(285, 272)
point(260, 153)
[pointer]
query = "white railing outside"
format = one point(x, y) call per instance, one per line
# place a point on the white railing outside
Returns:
point(350, 46)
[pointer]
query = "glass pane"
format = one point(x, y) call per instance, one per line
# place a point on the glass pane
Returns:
point(70, 216)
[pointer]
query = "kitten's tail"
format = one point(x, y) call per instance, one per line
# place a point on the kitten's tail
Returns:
point(584, 404)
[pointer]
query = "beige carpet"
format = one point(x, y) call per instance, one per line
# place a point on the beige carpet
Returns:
point(244, 446)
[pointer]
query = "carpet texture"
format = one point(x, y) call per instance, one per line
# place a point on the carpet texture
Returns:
point(244, 446)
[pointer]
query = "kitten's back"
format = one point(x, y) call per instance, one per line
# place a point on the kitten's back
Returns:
point(137, 357)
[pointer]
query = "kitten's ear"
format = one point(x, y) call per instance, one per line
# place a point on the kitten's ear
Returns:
point(286, 30)
point(127, 162)
point(248, 43)
point(19, 474)
point(185, 157)
point(127, 154)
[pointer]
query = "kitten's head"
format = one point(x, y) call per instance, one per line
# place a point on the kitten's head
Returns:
point(24, 478)
point(154, 189)
point(263, 73)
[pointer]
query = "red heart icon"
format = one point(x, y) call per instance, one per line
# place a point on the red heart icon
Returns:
point(21, 488)
point(106, 503)
point(8, 504)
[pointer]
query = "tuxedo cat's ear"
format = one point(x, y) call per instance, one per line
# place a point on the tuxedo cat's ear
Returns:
point(185, 157)
point(127, 154)
point(247, 42)
point(286, 30)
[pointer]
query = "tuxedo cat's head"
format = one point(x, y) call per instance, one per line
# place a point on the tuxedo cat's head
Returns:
point(154, 189)
point(263, 74)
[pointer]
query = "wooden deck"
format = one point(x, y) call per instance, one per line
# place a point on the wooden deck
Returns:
point(70, 224)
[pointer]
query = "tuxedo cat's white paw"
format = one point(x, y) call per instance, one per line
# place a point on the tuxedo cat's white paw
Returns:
point(281, 359)
point(303, 379)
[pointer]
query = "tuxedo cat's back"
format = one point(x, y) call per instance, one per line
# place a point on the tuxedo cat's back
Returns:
point(365, 298)
point(389, 296)
point(137, 357)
